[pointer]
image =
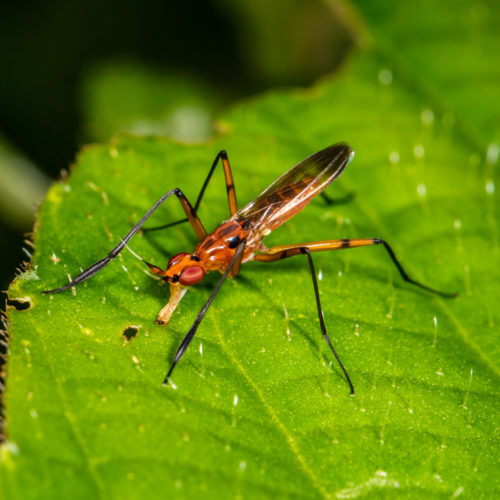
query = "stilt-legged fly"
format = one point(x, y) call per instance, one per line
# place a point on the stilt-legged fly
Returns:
point(239, 239)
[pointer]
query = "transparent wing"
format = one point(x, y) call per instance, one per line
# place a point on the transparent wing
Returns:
point(291, 192)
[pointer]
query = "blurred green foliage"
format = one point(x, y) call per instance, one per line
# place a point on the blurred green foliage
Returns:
point(290, 41)
point(22, 188)
point(127, 97)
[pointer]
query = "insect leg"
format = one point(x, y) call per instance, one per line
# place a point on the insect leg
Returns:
point(303, 249)
point(284, 251)
point(231, 193)
point(190, 334)
point(235, 268)
point(97, 266)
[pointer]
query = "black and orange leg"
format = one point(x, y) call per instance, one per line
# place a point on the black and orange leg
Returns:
point(231, 192)
point(97, 266)
point(236, 260)
point(236, 266)
point(284, 251)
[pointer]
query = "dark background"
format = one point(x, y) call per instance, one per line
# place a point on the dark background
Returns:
point(237, 49)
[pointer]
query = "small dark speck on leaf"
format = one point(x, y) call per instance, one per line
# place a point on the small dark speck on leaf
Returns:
point(19, 304)
point(130, 333)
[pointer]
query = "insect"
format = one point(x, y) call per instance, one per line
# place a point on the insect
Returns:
point(239, 239)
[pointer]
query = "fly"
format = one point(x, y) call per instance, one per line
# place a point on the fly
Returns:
point(239, 239)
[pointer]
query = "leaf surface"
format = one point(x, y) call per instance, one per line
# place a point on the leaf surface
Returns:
point(259, 409)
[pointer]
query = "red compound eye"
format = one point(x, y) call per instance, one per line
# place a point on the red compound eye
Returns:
point(191, 275)
point(176, 259)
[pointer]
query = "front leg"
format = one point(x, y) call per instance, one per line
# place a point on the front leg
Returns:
point(100, 264)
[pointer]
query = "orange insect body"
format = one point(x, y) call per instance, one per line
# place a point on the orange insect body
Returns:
point(219, 247)
point(284, 198)
point(239, 239)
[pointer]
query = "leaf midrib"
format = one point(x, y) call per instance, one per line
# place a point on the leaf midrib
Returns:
point(280, 426)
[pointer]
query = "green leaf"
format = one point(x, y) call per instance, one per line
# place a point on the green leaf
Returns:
point(259, 409)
